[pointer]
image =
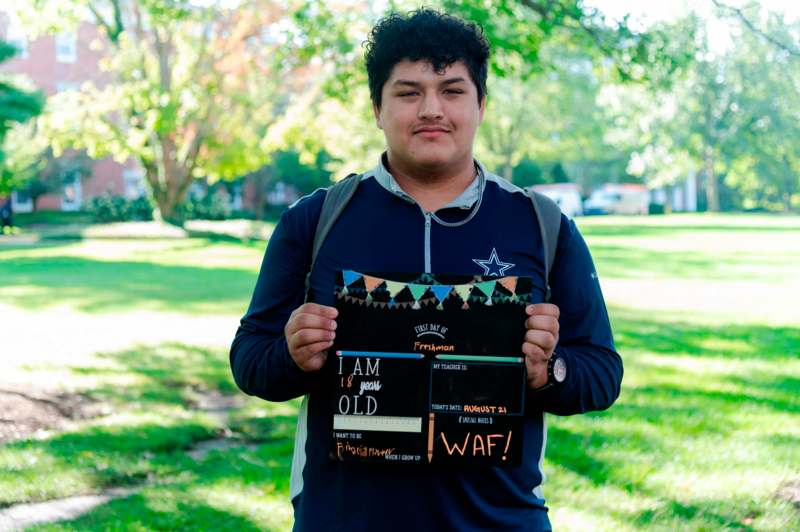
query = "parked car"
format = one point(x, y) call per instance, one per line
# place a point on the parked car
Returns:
point(566, 195)
point(615, 198)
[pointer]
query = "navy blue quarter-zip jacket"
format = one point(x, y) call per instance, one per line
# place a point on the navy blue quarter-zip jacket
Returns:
point(490, 229)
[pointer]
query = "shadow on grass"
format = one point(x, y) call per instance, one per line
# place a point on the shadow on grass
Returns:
point(647, 430)
point(670, 230)
point(99, 286)
point(629, 262)
point(679, 414)
point(145, 442)
point(164, 373)
point(728, 341)
point(141, 513)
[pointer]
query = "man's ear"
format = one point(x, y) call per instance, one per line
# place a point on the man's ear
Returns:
point(482, 107)
point(377, 112)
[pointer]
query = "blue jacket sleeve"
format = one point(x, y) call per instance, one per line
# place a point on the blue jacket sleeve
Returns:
point(594, 368)
point(259, 355)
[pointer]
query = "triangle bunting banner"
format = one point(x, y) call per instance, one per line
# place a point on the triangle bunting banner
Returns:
point(487, 287)
point(417, 290)
point(394, 287)
point(350, 277)
point(509, 283)
point(463, 291)
point(441, 291)
point(372, 282)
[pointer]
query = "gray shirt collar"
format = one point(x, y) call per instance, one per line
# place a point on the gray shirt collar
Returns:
point(465, 200)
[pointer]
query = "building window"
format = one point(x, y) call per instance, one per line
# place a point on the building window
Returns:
point(16, 38)
point(21, 201)
point(62, 86)
point(71, 196)
point(66, 48)
point(134, 183)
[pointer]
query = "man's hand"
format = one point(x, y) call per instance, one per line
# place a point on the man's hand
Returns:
point(309, 332)
point(541, 338)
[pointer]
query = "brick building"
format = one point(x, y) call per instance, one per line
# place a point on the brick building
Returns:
point(58, 63)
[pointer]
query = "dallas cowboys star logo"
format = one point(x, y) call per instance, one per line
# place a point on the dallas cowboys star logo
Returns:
point(493, 265)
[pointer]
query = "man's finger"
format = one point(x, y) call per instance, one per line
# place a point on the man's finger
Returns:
point(316, 308)
point(310, 321)
point(533, 351)
point(543, 323)
point(546, 309)
point(304, 337)
point(313, 356)
point(543, 339)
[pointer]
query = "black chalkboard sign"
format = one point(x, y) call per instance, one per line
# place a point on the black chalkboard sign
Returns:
point(428, 369)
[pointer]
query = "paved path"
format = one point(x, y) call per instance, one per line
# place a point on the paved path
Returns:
point(21, 516)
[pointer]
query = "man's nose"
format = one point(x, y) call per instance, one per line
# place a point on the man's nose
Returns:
point(430, 107)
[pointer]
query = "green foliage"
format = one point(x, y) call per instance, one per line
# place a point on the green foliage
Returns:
point(527, 173)
point(288, 168)
point(17, 106)
point(109, 208)
point(193, 89)
point(732, 118)
point(210, 206)
point(520, 31)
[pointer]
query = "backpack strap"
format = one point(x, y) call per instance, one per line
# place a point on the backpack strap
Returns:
point(336, 199)
point(548, 214)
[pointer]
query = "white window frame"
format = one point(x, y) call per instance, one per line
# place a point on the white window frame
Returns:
point(17, 38)
point(66, 47)
point(75, 203)
point(133, 181)
point(21, 206)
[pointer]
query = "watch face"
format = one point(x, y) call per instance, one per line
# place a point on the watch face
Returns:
point(559, 370)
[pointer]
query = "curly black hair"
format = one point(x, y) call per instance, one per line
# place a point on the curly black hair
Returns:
point(425, 34)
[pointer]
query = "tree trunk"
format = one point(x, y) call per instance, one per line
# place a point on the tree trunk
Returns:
point(260, 180)
point(712, 190)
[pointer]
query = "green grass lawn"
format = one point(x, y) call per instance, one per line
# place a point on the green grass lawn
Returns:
point(705, 435)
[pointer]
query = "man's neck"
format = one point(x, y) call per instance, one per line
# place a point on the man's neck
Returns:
point(433, 188)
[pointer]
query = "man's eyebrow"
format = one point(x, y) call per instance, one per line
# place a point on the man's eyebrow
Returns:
point(410, 83)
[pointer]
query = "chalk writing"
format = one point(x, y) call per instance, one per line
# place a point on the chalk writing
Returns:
point(373, 386)
point(433, 348)
point(430, 328)
point(351, 405)
point(449, 366)
point(362, 451)
point(475, 420)
point(477, 444)
point(485, 409)
point(348, 383)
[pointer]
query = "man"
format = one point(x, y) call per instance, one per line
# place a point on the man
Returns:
point(428, 206)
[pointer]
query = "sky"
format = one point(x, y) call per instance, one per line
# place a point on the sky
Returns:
point(646, 12)
point(658, 10)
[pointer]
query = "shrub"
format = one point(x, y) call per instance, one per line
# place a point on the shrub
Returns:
point(106, 209)
point(209, 207)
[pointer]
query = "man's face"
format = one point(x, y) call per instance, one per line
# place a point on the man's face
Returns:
point(429, 119)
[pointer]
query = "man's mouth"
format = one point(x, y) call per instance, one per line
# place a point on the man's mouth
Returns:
point(431, 131)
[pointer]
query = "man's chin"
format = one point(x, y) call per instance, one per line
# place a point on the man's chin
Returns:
point(433, 160)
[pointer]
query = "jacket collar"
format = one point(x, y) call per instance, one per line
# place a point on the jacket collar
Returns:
point(465, 200)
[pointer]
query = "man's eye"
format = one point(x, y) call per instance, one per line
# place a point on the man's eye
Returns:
point(454, 91)
point(407, 94)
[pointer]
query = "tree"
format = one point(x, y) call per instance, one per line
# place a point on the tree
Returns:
point(521, 29)
point(17, 106)
point(732, 118)
point(193, 89)
point(558, 45)
point(52, 173)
